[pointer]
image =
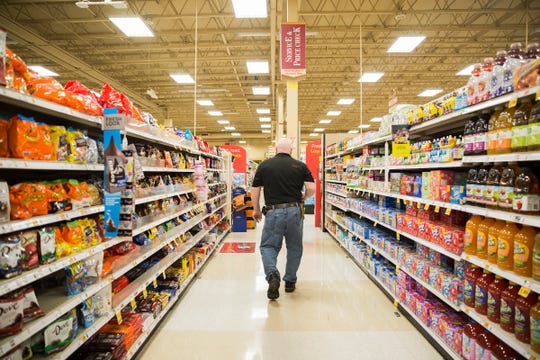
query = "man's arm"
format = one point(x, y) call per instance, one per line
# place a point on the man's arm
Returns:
point(255, 196)
point(310, 190)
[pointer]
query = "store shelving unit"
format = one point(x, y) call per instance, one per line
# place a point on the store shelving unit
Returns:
point(53, 301)
point(446, 123)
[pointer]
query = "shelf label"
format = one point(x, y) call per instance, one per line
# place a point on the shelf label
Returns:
point(145, 293)
point(447, 211)
point(426, 207)
point(398, 202)
point(154, 283)
point(163, 274)
point(396, 303)
point(437, 208)
point(133, 303)
point(119, 317)
point(375, 224)
point(512, 103)
point(524, 292)
point(398, 235)
point(537, 97)
point(418, 205)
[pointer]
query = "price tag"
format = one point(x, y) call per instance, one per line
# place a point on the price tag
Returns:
point(119, 317)
point(524, 292)
point(486, 325)
point(398, 235)
point(154, 283)
point(532, 357)
point(437, 208)
point(133, 303)
point(145, 293)
point(487, 266)
point(447, 211)
point(163, 274)
point(175, 242)
point(537, 97)
point(396, 303)
point(397, 269)
point(426, 207)
point(375, 224)
point(467, 310)
point(398, 202)
point(512, 103)
point(418, 205)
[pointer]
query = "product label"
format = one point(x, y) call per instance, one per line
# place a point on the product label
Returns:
point(521, 255)
point(468, 144)
point(503, 250)
point(492, 140)
point(533, 134)
point(469, 238)
point(481, 353)
point(507, 313)
point(10, 255)
point(480, 142)
point(504, 141)
point(508, 81)
point(468, 347)
point(481, 241)
point(519, 136)
point(526, 202)
point(470, 190)
point(480, 299)
point(47, 243)
point(492, 246)
point(11, 312)
point(535, 332)
point(479, 192)
point(493, 305)
point(492, 194)
point(522, 323)
point(506, 196)
point(468, 291)
point(59, 332)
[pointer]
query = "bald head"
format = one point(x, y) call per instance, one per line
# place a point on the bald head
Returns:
point(283, 146)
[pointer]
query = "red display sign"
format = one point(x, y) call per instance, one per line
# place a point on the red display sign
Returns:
point(293, 49)
point(240, 157)
point(313, 159)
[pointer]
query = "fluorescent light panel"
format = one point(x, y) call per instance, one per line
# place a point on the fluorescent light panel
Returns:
point(261, 90)
point(183, 78)
point(266, 126)
point(314, 134)
point(266, 131)
point(250, 8)
point(370, 77)
point(325, 121)
point(263, 111)
point(223, 122)
point(235, 134)
point(42, 70)
point(230, 128)
point(466, 71)
point(333, 113)
point(318, 129)
point(353, 131)
point(257, 67)
point(242, 141)
point(132, 26)
point(430, 92)
point(364, 126)
point(376, 120)
point(204, 102)
point(215, 113)
point(405, 44)
point(345, 101)
point(265, 119)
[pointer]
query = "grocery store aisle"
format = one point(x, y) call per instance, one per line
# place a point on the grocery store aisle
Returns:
point(335, 313)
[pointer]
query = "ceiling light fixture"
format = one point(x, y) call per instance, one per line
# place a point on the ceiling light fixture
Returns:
point(405, 44)
point(345, 101)
point(265, 119)
point(215, 113)
point(132, 26)
point(250, 8)
point(376, 120)
point(229, 128)
point(370, 77)
point(183, 79)
point(430, 92)
point(364, 126)
point(235, 134)
point(223, 122)
point(204, 102)
point(42, 70)
point(333, 113)
point(314, 134)
point(325, 121)
point(257, 67)
point(115, 4)
point(263, 111)
point(266, 126)
point(265, 131)
point(318, 130)
point(353, 131)
point(466, 71)
point(242, 141)
point(261, 90)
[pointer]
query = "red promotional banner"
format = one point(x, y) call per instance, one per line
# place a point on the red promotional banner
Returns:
point(313, 159)
point(240, 157)
point(293, 49)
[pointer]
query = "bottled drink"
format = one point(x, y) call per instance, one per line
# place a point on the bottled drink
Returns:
point(481, 189)
point(523, 251)
point(497, 75)
point(504, 135)
point(522, 318)
point(506, 186)
point(492, 188)
point(493, 244)
point(482, 237)
point(484, 80)
point(533, 128)
point(468, 137)
point(505, 253)
point(508, 302)
point(501, 351)
point(472, 183)
point(495, 290)
point(515, 55)
point(472, 85)
point(485, 343)
point(533, 52)
point(481, 292)
point(536, 257)
point(470, 335)
point(493, 132)
point(520, 126)
point(480, 134)
point(535, 327)
point(471, 232)
point(526, 192)
point(472, 273)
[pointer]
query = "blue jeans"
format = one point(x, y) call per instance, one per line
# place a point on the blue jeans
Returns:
point(279, 223)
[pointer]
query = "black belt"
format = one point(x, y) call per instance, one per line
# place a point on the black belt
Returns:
point(281, 206)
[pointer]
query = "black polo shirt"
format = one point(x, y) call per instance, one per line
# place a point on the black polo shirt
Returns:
point(282, 178)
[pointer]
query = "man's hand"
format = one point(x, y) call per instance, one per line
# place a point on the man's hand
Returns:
point(257, 215)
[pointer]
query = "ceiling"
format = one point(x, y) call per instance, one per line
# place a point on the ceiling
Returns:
point(83, 44)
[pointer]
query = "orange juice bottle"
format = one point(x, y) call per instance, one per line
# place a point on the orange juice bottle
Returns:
point(471, 231)
point(535, 327)
point(504, 125)
point(482, 237)
point(505, 241)
point(493, 245)
point(523, 251)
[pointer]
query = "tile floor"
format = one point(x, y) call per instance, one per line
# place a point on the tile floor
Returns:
point(335, 313)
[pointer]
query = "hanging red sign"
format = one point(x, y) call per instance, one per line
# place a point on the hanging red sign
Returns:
point(293, 49)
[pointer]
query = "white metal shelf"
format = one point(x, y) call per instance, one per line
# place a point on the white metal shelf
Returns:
point(166, 169)
point(509, 338)
point(342, 207)
point(21, 164)
point(497, 158)
point(17, 225)
point(336, 193)
point(441, 165)
point(216, 170)
point(162, 138)
point(27, 277)
point(162, 196)
point(336, 181)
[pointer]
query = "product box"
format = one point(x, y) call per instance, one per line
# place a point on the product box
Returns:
point(527, 75)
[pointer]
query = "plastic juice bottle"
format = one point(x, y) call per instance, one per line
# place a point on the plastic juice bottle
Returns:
point(482, 237)
point(504, 125)
point(526, 193)
point(471, 231)
point(495, 290)
point(533, 52)
point(469, 288)
point(484, 80)
point(468, 137)
point(515, 55)
point(497, 75)
point(506, 186)
point(533, 129)
point(523, 251)
point(505, 253)
point(493, 242)
point(481, 189)
point(535, 327)
point(508, 301)
point(468, 344)
point(520, 126)
point(501, 351)
point(472, 183)
point(522, 317)
point(472, 85)
point(480, 134)
point(481, 292)
point(485, 343)
point(536, 258)
point(493, 132)
point(492, 188)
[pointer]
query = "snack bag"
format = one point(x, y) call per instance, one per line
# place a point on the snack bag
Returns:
point(47, 245)
point(73, 234)
point(111, 98)
point(31, 305)
point(60, 143)
point(136, 114)
point(86, 313)
point(77, 146)
point(60, 333)
point(78, 192)
point(4, 143)
point(57, 198)
point(29, 249)
point(10, 259)
point(28, 200)
point(88, 100)
point(76, 281)
point(14, 60)
point(12, 309)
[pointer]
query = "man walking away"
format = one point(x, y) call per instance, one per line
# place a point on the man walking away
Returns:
point(282, 179)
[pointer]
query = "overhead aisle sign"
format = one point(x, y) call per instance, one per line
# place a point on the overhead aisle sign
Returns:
point(293, 49)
